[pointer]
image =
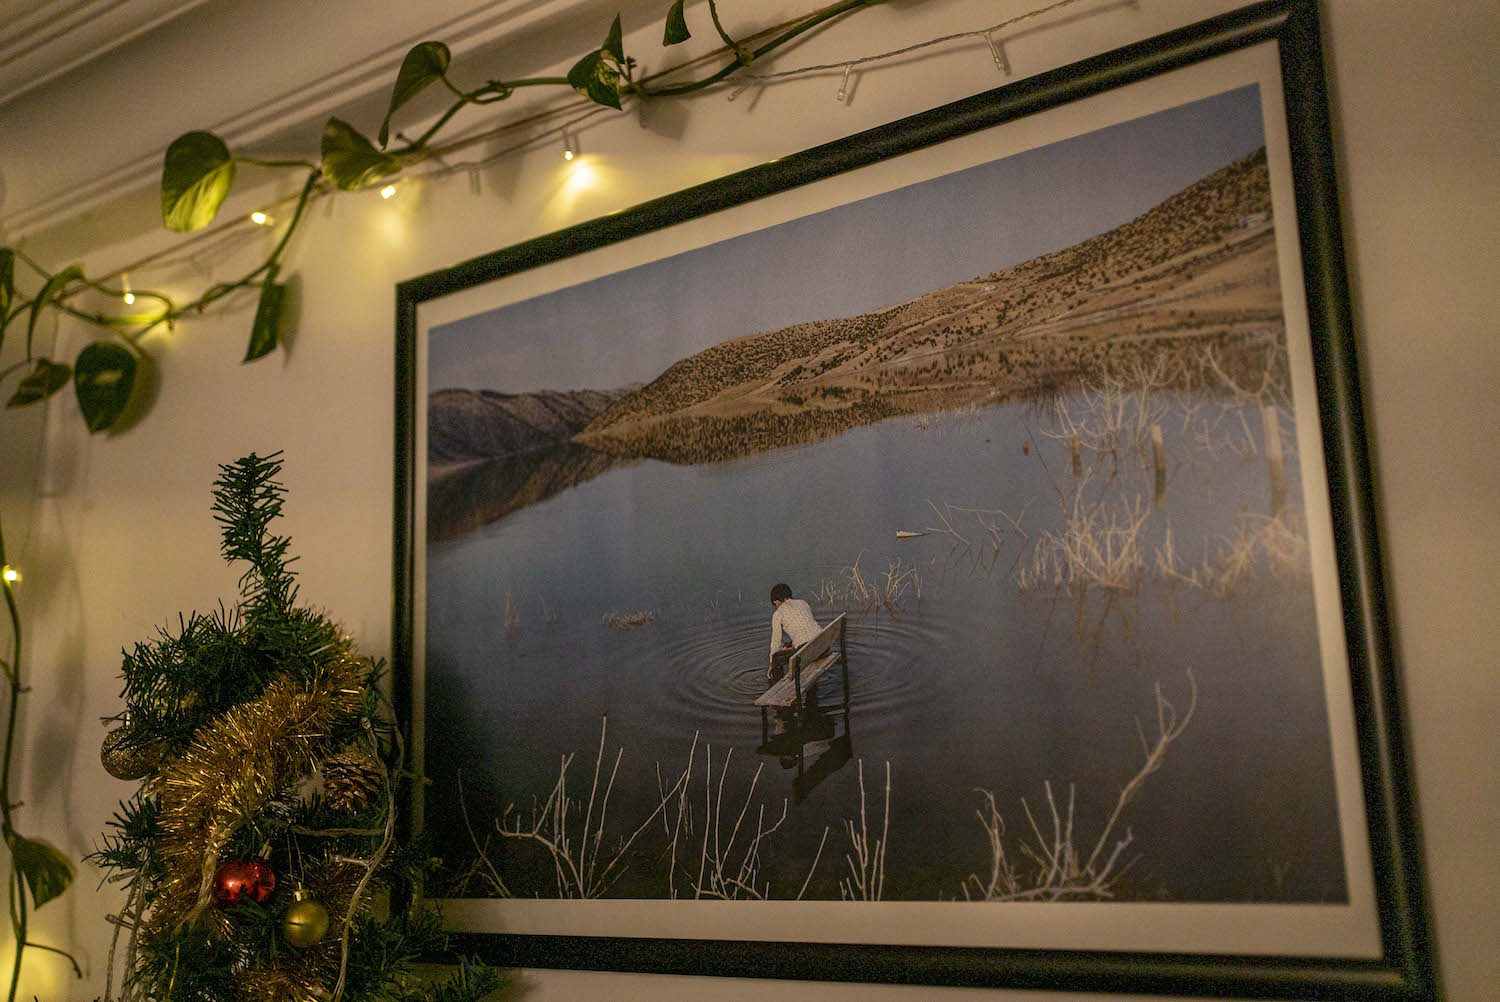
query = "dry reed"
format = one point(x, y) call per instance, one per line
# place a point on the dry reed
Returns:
point(1116, 414)
point(1054, 868)
point(1100, 544)
point(866, 860)
point(576, 864)
point(1235, 559)
point(852, 591)
point(725, 872)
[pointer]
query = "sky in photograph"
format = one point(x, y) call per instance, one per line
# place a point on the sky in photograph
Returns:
point(629, 326)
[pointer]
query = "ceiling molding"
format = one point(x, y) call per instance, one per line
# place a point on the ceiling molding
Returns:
point(474, 27)
point(61, 35)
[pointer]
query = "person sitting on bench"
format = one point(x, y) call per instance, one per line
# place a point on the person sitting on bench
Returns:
point(793, 617)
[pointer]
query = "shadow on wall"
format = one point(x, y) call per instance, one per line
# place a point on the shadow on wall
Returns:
point(56, 731)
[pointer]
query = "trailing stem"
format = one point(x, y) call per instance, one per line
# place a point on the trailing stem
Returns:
point(13, 680)
point(19, 872)
point(131, 328)
point(60, 290)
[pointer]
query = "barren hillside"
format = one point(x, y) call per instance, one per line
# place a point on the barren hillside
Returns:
point(1200, 267)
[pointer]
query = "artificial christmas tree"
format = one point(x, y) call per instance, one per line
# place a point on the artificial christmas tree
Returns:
point(263, 834)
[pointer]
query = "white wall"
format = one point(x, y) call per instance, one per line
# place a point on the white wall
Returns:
point(118, 538)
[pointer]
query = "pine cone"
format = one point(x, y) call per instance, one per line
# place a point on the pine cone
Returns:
point(352, 780)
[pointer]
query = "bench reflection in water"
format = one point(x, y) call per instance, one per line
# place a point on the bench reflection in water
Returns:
point(792, 721)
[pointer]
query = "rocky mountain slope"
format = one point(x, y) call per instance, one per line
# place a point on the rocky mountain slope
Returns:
point(464, 426)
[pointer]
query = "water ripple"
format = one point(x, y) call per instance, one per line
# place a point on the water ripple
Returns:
point(715, 671)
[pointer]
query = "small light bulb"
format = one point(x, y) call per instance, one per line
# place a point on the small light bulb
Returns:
point(567, 154)
point(128, 296)
point(388, 191)
point(129, 299)
point(259, 218)
point(10, 574)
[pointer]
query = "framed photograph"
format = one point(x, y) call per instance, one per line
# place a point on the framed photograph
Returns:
point(947, 555)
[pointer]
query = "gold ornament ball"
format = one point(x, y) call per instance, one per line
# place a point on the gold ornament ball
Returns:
point(305, 922)
point(125, 760)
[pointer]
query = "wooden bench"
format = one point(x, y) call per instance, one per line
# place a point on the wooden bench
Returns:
point(806, 664)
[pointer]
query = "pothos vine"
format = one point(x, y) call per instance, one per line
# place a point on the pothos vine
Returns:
point(198, 173)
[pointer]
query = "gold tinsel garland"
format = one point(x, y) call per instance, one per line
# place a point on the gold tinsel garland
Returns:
point(234, 766)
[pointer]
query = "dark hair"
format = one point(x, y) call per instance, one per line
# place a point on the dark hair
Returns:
point(781, 593)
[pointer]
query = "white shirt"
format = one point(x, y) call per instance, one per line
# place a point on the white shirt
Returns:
point(796, 618)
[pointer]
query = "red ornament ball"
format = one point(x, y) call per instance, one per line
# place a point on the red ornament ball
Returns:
point(244, 880)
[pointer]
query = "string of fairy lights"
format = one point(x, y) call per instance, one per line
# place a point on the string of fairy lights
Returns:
point(560, 125)
point(551, 126)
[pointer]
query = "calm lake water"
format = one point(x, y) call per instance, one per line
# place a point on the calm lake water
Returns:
point(980, 684)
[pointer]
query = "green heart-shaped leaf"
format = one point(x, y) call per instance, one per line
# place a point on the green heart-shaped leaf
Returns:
point(614, 42)
point(424, 64)
point(195, 180)
point(50, 292)
point(350, 160)
point(594, 77)
point(677, 29)
point(103, 375)
point(597, 74)
point(265, 332)
point(46, 870)
point(44, 380)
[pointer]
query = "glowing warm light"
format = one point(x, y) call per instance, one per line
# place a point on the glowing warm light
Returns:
point(577, 188)
point(581, 177)
point(388, 191)
point(129, 299)
point(259, 218)
point(129, 296)
point(567, 154)
point(10, 574)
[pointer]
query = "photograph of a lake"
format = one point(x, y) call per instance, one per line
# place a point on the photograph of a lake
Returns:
point(1044, 463)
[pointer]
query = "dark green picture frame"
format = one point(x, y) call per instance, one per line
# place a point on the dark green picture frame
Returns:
point(1405, 970)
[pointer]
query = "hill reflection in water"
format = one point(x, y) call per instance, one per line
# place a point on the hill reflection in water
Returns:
point(462, 499)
